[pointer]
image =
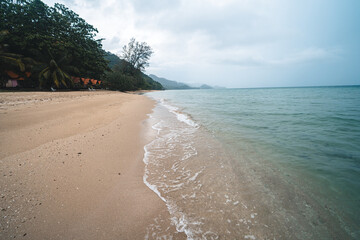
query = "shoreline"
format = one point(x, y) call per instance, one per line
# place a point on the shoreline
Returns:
point(231, 185)
point(72, 166)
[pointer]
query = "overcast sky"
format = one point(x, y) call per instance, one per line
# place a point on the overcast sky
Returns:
point(236, 43)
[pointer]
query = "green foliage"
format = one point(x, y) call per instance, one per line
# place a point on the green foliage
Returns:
point(125, 77)
point(56, 72)
point(137, 54)
point(55, 44)
point(119, 81)
point(46, 33)
point(152, 84)
point(12, 61)
point(53, 74)
point(112, 59)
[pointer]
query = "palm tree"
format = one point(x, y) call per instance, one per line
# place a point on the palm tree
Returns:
point(56, 73)
point(52, 74)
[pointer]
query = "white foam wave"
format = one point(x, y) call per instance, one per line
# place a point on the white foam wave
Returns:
point(167, 142)
point(180, 222)
point(145, 177)
point(157, 126)
point(182, 117)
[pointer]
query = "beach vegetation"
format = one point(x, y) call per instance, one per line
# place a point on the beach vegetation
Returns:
point(10, 62)
point(14, 65)
point(137, 54)
point(54, 75)
point(38, 31)
point(55, 45)
point(125, 77)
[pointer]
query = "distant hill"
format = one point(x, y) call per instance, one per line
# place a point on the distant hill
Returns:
point(169, 84)
point(152, 84)
point(205, 86)
point(200, 86)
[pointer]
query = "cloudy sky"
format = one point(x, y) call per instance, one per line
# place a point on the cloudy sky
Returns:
point(236, 43)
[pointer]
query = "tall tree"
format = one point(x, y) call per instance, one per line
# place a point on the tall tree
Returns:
point(137, 54)
point(47, 33)
point(125, 77)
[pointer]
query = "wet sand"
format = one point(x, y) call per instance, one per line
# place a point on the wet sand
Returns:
point(71, 166)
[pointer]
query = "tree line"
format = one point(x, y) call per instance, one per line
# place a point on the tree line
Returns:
point(52, 47)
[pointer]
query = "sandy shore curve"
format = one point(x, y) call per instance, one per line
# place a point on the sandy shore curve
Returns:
point(71, 166)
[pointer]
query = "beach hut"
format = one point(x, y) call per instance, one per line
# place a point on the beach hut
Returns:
point(85, 80)
point(14, 78)
point(76, 79)
point(11, 83)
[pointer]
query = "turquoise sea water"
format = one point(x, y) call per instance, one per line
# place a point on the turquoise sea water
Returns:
point(302, 144)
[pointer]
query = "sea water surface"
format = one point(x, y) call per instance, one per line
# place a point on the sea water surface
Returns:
point(274, 163)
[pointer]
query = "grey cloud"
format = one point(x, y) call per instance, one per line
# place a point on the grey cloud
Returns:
point(254, 39)
point(226, 27)
point(154, 6)
point(248, 62)
point(112, 43)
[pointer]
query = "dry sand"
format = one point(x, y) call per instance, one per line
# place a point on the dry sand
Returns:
point(71, 166)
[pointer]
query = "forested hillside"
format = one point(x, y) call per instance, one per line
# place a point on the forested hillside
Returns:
point(52, 47)
point(123, 76)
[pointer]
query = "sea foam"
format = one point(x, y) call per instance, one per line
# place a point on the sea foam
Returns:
point(182, 117)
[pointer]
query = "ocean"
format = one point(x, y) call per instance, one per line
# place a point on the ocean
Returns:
point(271, 163)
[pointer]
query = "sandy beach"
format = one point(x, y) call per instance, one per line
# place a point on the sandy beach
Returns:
point(71, 166)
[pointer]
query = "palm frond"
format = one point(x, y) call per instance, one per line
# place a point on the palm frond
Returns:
point(56, 81)
point(44, 76)
point(28, 60)
point(21, 65)
point(41, 74)
point(47, 74)
point(62, 77)
point(69, 78)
